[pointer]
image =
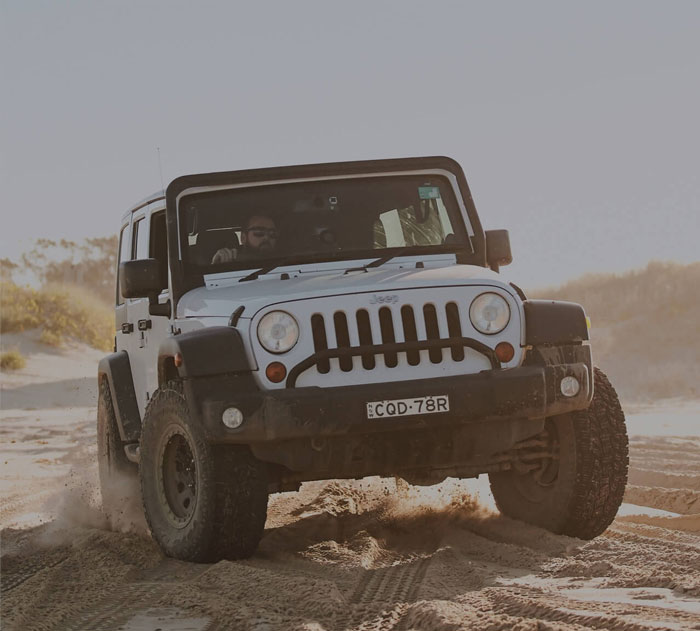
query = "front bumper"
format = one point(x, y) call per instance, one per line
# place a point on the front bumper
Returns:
point(526, 392)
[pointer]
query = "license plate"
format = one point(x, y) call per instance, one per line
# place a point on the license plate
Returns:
point(407, 407)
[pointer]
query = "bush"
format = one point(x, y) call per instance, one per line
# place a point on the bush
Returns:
point(51, 339)
point(645, 327)
point(90, 264)
point(63, 312)
point(12, 360)
point(19, 308)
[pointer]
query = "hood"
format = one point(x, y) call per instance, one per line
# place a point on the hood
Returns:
point(223, 295)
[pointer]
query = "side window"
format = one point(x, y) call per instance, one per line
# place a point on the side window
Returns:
point(159, 245)
point(139, 248)
point(124, 250)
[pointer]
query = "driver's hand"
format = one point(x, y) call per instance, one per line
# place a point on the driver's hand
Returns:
point(224, 255)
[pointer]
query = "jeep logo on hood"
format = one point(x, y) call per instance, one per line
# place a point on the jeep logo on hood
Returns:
point(388, 299)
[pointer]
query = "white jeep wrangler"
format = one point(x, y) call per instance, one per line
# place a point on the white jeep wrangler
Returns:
point(339, 321)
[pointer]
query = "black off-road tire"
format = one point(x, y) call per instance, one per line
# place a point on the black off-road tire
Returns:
point(118, 475)
point(583, 495)
point(226, 486)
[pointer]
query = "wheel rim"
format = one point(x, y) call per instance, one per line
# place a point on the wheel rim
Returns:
point(538, 466)
point(177, 476)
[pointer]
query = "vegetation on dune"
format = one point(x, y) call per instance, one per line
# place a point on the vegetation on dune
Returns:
point(89, 264)
point(645, 327)
point(12, 360)
point(62, 312)
point(75, 301)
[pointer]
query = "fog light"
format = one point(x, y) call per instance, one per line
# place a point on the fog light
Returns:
point(570, 386)
point(504, 351)
point(232, 418)
point(276, 372)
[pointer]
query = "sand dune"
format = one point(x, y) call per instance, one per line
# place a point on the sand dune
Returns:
point(337, 555)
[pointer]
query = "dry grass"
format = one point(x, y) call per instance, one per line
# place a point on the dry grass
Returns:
point(12, 360)
point(63, 312)
point(646, 327)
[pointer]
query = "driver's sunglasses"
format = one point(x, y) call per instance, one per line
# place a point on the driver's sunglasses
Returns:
point(259, 232)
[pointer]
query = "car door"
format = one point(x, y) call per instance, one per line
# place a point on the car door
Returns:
point(148, 241)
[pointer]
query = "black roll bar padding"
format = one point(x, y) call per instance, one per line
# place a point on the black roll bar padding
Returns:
point(395, 347)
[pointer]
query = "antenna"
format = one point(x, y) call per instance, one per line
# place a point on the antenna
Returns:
point(160, 169)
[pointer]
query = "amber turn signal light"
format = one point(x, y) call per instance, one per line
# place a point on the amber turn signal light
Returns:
point(504, 351)
point(276, 372)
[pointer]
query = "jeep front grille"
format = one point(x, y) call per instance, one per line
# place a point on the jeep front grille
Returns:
point(406, 324)
point(373, 338)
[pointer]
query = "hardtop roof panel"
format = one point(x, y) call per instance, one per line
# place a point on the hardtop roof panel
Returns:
point(309, 171)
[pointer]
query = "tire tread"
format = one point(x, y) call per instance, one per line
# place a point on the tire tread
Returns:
point(603, 451)
point(587, 503)
point(235, 510)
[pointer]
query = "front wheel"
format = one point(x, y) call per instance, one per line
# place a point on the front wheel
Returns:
point(203, 503)
point(576, 483)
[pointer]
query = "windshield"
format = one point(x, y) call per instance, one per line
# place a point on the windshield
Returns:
point(325, 220)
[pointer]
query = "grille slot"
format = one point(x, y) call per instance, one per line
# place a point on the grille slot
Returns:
point(432, 331)
point(318, 332)
point(410, 333)
point(364, 329)
point(342, 335)
point(386, 324)
point(454, 329)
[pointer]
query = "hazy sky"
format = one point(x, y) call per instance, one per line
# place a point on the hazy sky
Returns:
point(578, 125)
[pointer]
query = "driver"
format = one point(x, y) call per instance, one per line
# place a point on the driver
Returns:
point(258, 240)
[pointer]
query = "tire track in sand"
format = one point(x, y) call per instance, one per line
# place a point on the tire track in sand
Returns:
point(126, 602)
point(557, 610)
point(16, 574)
point(382, 595)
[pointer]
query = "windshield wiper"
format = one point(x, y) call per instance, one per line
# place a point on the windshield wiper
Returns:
point(290, 260)
point(375, 263)
point(384, 259)
point(265, 270)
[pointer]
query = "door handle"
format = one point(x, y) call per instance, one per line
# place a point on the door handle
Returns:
point(144, 325)
point(127, 328)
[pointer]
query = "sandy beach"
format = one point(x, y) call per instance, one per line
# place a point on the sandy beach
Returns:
point(336, 555)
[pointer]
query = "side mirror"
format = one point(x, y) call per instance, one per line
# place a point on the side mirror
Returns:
point(142, 279)
point(498, 249)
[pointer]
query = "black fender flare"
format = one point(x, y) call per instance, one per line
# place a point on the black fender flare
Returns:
point(116, 369)
point(551, 323)
point(209, 351)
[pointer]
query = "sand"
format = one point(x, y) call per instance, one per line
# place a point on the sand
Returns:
point(364, 555)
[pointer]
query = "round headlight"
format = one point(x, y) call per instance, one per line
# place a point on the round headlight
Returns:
point(278, 332)
point(489, 313)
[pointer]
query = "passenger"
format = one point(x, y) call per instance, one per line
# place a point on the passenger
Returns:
point(258, 240)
